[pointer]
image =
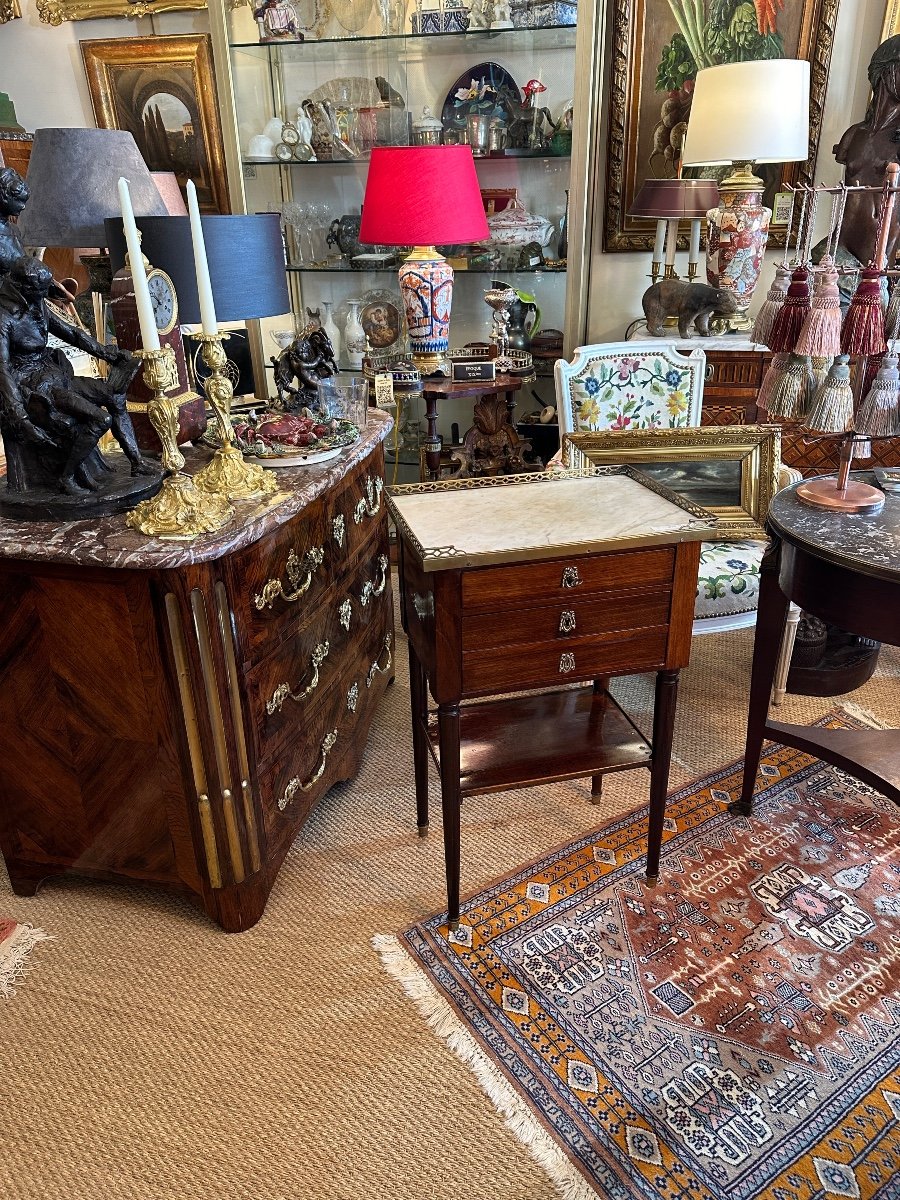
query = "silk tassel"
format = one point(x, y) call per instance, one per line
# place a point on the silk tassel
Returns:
point(771, 306)
point(789, 322)
point(878, 412)
point(863, 331)
point(791, 393)
point(821, 332)
point(832, 406)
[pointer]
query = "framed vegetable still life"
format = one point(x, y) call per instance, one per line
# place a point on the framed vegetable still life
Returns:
point(162, 90)
point(731, 470)
point(658, 48)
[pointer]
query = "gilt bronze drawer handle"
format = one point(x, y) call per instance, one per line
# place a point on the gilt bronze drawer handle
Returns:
point(283, 691)
point(371, 589)
point(570, 577)
point(300, 572)
point(370, 504)
point(295, 785)
point(337, 528)
point(566, 663)
point(352, 697)
point(567, 621)
point(376, 668)
point(345, 613)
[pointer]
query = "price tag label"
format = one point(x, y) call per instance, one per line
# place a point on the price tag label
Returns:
point(384, 389)
point(781, 208)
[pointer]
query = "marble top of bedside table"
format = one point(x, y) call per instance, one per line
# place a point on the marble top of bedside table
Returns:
point(525, 517)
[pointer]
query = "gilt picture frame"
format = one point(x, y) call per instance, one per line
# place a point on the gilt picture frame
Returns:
point(891, 24)
point(730, 470)
point(162, 90)
point(55, 12)
point(651, 80)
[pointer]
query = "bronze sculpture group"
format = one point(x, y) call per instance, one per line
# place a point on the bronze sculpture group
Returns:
point(52, 420)
point(308, 359)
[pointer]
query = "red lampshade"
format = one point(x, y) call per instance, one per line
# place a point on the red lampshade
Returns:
point(670, 198)
point(422, 196)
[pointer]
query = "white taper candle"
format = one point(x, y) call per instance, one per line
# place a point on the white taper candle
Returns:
point(671, 242)
point(694, 254)
point(659, 246)
point(146, 318)
point(201, 266)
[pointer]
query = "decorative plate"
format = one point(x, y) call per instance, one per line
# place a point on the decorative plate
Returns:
point(383, 322)
point(480, 90)
point(279, 439)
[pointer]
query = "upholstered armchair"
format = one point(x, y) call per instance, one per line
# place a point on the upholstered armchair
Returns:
point(651, 385)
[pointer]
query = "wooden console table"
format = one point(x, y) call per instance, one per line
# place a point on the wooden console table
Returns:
point(844, 569)
point(523, 582)
point(492, 442)
point(170, 712)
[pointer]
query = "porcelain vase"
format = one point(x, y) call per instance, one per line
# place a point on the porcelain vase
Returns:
point(328, 324)
point(354, 337)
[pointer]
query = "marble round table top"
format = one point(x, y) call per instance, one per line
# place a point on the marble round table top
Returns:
point(868, 543)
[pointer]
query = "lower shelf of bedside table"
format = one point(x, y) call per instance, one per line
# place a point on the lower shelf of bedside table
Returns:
point(521, 741)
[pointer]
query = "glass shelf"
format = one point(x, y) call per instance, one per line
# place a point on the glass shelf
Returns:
point(545, 37)
point(354, 162)
point(458, 271)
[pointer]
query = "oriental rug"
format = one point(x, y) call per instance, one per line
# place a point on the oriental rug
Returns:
point(733, 1033)
point(16, 943)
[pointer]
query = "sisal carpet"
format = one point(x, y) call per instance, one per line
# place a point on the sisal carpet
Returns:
point(152, 1057)
point(733, 1033)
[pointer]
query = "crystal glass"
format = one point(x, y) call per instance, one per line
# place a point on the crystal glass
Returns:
point(345, 401)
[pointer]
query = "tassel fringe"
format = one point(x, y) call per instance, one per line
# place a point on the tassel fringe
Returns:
point(791, 393)
point(877, 414)
point(772, 379)
point(771, 306)
point(14, 964)
point(519, 1118)
point(863, 331)
point(789, 322)
point(832, 409)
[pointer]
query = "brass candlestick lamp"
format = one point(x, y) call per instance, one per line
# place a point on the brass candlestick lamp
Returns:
point(180, 510)
point(227, 475)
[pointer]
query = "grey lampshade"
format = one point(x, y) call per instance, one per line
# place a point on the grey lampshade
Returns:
point(73, 177)
point(245, 256)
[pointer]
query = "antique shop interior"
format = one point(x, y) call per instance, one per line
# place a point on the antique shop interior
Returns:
point(449, 599)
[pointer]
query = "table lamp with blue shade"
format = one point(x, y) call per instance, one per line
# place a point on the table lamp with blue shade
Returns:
point(424, 196)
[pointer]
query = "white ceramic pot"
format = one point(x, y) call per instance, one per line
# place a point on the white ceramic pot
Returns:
point(515, 226)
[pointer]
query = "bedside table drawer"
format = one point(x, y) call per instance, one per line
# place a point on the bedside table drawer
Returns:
point(506, 590)
point(548, 664)
point(570, 618)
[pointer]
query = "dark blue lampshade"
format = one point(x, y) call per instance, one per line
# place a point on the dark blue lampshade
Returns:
point(245, 256)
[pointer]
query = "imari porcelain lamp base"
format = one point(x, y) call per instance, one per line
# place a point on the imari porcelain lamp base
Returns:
point(424, 196)
point(737, 232)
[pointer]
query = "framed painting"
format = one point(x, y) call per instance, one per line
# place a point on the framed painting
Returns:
point(54, 12)
point(891, 20)
point(657, 48)
point(731, 470)
point(162, 90)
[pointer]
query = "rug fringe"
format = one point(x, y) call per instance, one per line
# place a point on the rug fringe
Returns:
point(863, 714)
point(446, 1024)
point(15, 964)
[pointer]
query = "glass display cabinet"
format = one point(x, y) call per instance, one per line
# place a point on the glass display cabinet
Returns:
point(301, 117)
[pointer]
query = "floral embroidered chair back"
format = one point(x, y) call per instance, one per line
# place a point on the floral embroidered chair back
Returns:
point(629, 385)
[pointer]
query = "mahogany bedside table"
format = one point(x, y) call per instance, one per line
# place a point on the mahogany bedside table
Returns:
point(516, 583)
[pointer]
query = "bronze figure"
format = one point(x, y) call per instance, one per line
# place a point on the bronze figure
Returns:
point(309, 358)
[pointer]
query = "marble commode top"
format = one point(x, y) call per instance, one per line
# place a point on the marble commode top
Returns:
point(540, 516)
point(867, 543)
point(108, 542)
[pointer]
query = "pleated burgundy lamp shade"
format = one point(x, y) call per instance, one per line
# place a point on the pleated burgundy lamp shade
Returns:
point(424, 196)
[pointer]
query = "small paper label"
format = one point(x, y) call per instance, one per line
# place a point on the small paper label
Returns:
point(781, 208)
point(384, 389)
point(463, 371)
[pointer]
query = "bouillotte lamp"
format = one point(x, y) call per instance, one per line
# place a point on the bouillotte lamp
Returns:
point(671, 201)
point(424, 196)
point(741, 114)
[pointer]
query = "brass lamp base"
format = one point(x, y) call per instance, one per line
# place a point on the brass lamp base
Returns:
point(227, 475)
point(180, 511)
point(854, 497)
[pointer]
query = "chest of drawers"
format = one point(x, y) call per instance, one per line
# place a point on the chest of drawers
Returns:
point(171, 713)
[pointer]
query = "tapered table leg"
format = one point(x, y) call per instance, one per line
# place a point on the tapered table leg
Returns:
point(770, 619)
point(601, 701)
point(419, 705)
point(663, 728)
point(448, 732)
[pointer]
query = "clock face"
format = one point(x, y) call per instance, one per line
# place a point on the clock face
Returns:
point(162, 296)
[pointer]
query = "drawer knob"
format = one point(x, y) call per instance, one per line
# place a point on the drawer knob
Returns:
point(566, 663)
point(283, 691)
point(567, 620)
point(370, 588)
point(376, 667)
point(337, 529)
point(570, 577)
point(299, 571)
point(370, 504)
point(296, 785)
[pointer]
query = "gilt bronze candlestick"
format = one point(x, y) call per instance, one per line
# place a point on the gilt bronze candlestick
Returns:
point(227, 475)
point(181, 510)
